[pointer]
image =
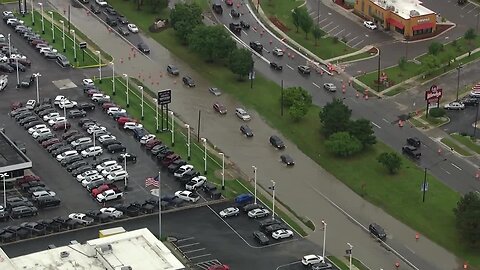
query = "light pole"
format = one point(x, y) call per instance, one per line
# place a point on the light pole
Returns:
point(273, 199)
point(3, 175)
point(99, 66)
point(63, 35)
point(475, 124)
point(36, 75)
point(141, 89)
point(113, 78)
point(255, 183)
point(74, 45)
point(43, 24)
point(93, 134)
point(33, 17)
point(64, 115)
point(223, 170)
point(18, 76)
point(324, 238)
point(349, 252)
point(173, 129)
point(128, 102)
point(125, 168)
point(188, 141)
point(53, 30)
point(9, 47)
point(458, 79)
point(205, 155)
point(159, 209)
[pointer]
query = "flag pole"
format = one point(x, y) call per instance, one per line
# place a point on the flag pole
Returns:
point(159, 210)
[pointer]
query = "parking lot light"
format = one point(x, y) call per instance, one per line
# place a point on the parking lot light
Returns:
point(33, 17)
point(99, 66)
point(188, 141)
point(255, 183)
point(349, 251)
point(324, 238)
point(94, 135)
point(36, 75)
point(18, 75)
point(43, 24)
point(74, 45)
point(126, 78)
point(9, 46)
point(113, 78)
point(141, 90)
point(173, 128)
point(273, 199)
point(125, 168)
point(53, 30)
point(3, 175)
point(223, 170)
point(458, 79)
point(63, 35)
point(64, 115)
point(205, 155)
point(159, 208)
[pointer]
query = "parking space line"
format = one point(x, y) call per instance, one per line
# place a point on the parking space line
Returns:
point(323, 27)
point(289, 66)
point(471, 10)
point(339, 33)
point(358, 43)
point(332, 29)
point(465, 6)
point(348, 34)
point(195, 250)
point(199, 256)
point(322, 20)
point(454, 165)
point(244, 32)
point(352, 39)
point(373, 123)
point(189, 245)
point(316, 84)
point(445, 170)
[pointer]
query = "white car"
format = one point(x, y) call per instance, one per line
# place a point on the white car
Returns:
point(88, 82)
point(242, 114)
point(475, 94)
point(132, 125)
point(108, 195)
point(30, 104)
point(37, 127)
point(58, 99)
point(59, 119)
point(454, 106)
point(312, 259)
point(187, 196)
point(67, 104)
point(101, 3)
point(13, 20)
point(111, 169)
point(112, 110)
point(117, 176)
point(196, 182)
point(67, 154)
point(84, 175)
point(81, 218)
point(104, 165)
point(106, 137)
point(183, 170)
point(96, 97)
point(45, 50)
point(41, 194)
point(7, 13)
point(51, 116)
point(91, 178)
point(40, 132)
point(280, 234)
point(370, 25)
point(278, 52)
point(17, 55)
point(81, 141)
point(145, 139)
point(132, 27)
point(95, 129)
point(92, 151)
point(258, 213)
point(112, 212)
point(229, 212)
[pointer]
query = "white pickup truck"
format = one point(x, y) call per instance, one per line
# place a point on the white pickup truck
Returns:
point(187, 196)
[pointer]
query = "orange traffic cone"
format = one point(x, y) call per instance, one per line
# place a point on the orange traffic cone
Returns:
point(417, 236)
point(397, 265)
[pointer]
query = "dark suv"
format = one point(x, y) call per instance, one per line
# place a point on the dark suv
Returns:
point(377, 231)
point(277, 142)
point(414, 141)
point(411, 151)
point(256, 46)
point(24, 211)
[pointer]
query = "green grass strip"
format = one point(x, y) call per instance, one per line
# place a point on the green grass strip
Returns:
point(457, 148)
point(467, 141)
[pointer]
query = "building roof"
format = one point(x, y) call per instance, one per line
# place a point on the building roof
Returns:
point(138, 249)
point(11, 158)
point(404, 8)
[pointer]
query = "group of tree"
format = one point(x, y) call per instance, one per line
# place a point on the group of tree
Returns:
point(391, 161)
point(302, 20)
point(298, 102)
point(154, 5)
point(467, 215)
point(211, 42)
point(345, 137)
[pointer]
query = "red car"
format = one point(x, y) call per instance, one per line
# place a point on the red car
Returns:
point(49, 142)
point(90, 92)
point(219, 267)
point(27, 178)
point(218, 107)
point(61, 126)
point(149, 145)
point(102, 188)
point(122, 120)
point(107, 105)
point(16, 105)
point(229, 2)
point(169, 159)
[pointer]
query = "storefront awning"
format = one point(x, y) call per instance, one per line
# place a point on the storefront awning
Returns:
point(422, 26)
point(395, 23)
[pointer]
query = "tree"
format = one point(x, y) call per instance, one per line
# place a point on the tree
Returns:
point(156, 4)
point(430, 63)
point(296, 17)
point(184, 18)
point(435, 48)
point(470, 34)
point(212, 42)
point(317, 33)
point(298, 111)
point(241, 62)
point(467, 215)
point(342, 144)
point(335, 117)
point(391, 161)
point(402, 63)
point(306, 22)
point(362, 129)
point(294, 95)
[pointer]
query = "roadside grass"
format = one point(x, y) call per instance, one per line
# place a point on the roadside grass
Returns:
point(457, 148)
point(467, 141)
point(338, 262)
point(359, 264)
point(399, 194)
point(327, 47)
point(396, 90)
point(359, 56)
point(435, 121)
point(417, 123)
point(395, 74)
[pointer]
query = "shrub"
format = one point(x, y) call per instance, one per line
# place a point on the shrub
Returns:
point(437, 112)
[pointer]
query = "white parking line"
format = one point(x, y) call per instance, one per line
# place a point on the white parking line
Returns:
point(316, 85)
point(358, 43)
point(188, 245)
point(456, 166)
point(185, 239)
point(385, 120)
point(323, 27)
point(373, 123)
point(445, 171)
point(195, 250)
point(465, 6)
point(348, 34)
point(245, 33)
point(199, 256)
point(471, 10)
point(339, 33)
point(289, 66)
point(352, 39)
point(322, 20)
point(311, 13)
point(332, 29)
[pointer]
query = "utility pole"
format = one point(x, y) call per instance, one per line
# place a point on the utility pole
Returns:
point(378, 71)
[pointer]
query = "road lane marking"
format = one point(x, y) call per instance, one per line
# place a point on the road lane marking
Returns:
point(316, 85)
point(385, 120)
point(456, 166)
point(323, 27)
point(339, 33)
point(358, 43)
point(289, 67)
point(195, 250)
point(288, 264)
point(445, 170)
point(373, 123)
point(332, 29)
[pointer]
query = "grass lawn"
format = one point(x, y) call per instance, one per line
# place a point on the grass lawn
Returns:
point(467, 141)
point(435, 121)
point(398, 194)
point(326, 48)
point(395, 91)
point(90, 58)
point(417, 123)
point(341, 265)
point(359, 56)
point(457, 148)
point(395, 74)
point(359, 264)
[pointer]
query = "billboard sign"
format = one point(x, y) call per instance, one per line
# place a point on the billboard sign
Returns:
point(164, 97)
point(434, 94)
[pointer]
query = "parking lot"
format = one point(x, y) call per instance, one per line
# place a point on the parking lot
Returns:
point(461, 121)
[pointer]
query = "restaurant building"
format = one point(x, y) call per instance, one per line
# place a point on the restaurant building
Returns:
point(407, 17)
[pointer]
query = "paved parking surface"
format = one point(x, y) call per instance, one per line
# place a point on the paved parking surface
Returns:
point(462, 121)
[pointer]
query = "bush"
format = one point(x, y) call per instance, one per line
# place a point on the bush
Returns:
point(335, 40)
point(437, 112)
point(435, 48)
point(402, 63)
point(343, 144)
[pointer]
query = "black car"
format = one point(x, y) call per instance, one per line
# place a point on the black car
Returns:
point(6, 68)
point(86, 106)
point(83, 121)
point(28, 186)
point(128, 156)
point(244, 25)
point(187, 177)
point(100, 161)
point(45, 137)
point(234, 13)
point(143, 48)
point(95, 9)
point(69, 134)
point(111, 11)
point(55, 146)
point(117, 115)
point(256, 46)
point(235, 28)
point(28, 119)
point(21, 67)
point(414, 141)
point(122, 19)
point(164, 153)
point(98, 216)
point(109, 142)
point(249, 207)
point(19, 232)
point(60, 150)
point(277, 142)
point(246, 130)
point(377, 231)
point(411, 151)
point(123, 31)
point(33, 123)
point(48, 201)
point(76, 164)
point(176, 165)
point(22, 115)
point(66, 222)
point(15, 201)
point(75, 113)
point(287, 159)
point(74, 137)
point(157, 149)
point(46, 111)
point(208, 187)
point(173, 70)
point(274, 227)
point(188, 81)
point(23, 211)
point(268, 222)
point(34, 227)
point(116, 148)
point(276, 66)
point(50, 225)
point(69, 160)
point(42, 107)
point(470, 101)
point(130, 210)
point(81, 170)
point(82, 147)
point(261, 237)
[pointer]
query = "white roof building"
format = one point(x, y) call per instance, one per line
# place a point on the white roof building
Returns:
point(404, 8)
point(138, 249)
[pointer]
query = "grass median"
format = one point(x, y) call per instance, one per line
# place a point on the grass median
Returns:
point(399, 195)
point(467, 141)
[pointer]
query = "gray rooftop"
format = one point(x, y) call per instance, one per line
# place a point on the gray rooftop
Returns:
point(10, 155)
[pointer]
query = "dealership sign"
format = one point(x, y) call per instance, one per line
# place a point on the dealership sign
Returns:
point(434, 94)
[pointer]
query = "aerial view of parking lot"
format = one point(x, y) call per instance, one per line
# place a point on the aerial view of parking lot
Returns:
point(236, 134)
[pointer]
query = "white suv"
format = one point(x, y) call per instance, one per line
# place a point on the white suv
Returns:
point(312, 259)
point(111, 169)
point(242, 114)
point(117, 176)
point(66, 154)
point(92, 151)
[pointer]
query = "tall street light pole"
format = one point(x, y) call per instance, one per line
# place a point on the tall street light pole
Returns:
point(458, 79)
point(99, 65)
point(3, 175)
point(74, 45)
point(255, 183)
point(223, 170)
point(33, 17)
point(159, 208)
point(141, 90)
point(53, 29)
point(125, 168)
point(128, 101)
point(349, 251)
point(18, 75)
point(113, 78)
point(63, 35)
point(378, 71)
point(475, 124)
point(204, 155)
point(93, 134)
point(37, 75)
point(273, 199)
point(64, 115)
point(43, 24)
point(9, 46)
point(188, 141)
point(173, 128)
point(324, 238)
